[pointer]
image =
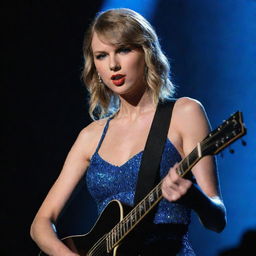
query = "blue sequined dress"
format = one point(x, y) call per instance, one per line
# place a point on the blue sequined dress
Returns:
point(106, 182)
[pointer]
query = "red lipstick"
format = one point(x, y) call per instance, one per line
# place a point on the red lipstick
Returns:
point(118, 79)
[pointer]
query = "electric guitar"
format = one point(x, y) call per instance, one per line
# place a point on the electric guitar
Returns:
point(114, 225)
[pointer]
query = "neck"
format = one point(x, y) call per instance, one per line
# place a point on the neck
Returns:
point(134, 105)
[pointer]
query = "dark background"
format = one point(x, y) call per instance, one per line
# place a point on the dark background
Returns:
point(211, 46)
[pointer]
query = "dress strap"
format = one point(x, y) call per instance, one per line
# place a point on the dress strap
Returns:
point(103, 134)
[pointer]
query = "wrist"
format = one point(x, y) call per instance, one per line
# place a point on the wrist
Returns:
point(194, 198)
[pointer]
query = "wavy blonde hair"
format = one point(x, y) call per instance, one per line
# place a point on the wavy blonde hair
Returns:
point(125, 27)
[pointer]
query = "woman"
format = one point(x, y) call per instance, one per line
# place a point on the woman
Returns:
point(126, 74)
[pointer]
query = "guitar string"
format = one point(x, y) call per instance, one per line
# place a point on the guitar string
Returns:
point(133, 212)
point(126, 219)
point(98, 245)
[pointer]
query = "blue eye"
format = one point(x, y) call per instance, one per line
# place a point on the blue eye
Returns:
point(124, 50)
point(100, 56)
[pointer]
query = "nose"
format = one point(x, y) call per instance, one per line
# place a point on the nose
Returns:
point(114, 64)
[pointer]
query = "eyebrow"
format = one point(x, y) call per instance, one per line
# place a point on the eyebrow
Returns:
point(117, 48)
point(95, 52)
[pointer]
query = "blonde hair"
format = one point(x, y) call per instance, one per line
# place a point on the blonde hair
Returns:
point(125, 27)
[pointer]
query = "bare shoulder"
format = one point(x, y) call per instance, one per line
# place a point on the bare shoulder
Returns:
point(90, 135)
point(189, 124)
point(93, 128)
point(188, 106)
point(188, 111)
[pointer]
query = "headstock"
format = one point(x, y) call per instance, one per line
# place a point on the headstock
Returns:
point(229, 131)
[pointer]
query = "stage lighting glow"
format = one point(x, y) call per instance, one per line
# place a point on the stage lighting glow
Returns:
point(144, 7)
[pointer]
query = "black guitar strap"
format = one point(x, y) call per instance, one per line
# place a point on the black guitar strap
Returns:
point(154, 147)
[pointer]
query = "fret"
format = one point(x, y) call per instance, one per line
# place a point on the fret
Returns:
point(158, 191)
point(179, 170)
point(127, 224)
point(141, 209)
point(107, 241)
point(187, 159)
point(113, 236)
point(117, 232)
point(183, 166)
point(144, 205)
point(151, 197)
point(147, 204)
point(194, 156)
point(136, 210)
point(124, 226)
point(120, 230)
point(133, 217)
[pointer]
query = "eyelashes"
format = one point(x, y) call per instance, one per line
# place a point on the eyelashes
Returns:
point(100, 56)
point(124, 50)
point(121, 50)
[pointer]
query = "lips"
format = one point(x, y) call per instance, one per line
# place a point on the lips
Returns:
point(118, 79)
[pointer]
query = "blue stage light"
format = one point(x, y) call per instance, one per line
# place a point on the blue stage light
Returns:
point(144, 7)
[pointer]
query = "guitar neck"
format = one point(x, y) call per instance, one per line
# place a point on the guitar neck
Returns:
point(114, 237)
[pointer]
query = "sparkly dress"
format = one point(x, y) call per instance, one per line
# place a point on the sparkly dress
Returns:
point(105, 182)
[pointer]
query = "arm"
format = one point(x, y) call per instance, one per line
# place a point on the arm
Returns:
point(77, 161)
point(191, 126)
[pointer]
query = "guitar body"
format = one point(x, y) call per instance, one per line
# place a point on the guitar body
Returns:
point(83, 244)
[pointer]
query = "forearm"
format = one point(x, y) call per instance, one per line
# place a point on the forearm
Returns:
point(211, 211)
point(45, 237)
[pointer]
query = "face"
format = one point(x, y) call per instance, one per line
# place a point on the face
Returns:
point(121, 68)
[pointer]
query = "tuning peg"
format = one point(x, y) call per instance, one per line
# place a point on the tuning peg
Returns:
point(244, 143)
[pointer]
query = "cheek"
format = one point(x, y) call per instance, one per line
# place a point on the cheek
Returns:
point(137, 66)
point(100, 68)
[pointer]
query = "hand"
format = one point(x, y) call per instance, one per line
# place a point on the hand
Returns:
point(175, 187)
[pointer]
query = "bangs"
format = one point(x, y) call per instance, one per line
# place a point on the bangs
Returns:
point(119, 33)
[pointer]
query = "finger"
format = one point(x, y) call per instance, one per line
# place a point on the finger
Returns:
point(173, 173)
point(172, 196)
point(168, 184)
